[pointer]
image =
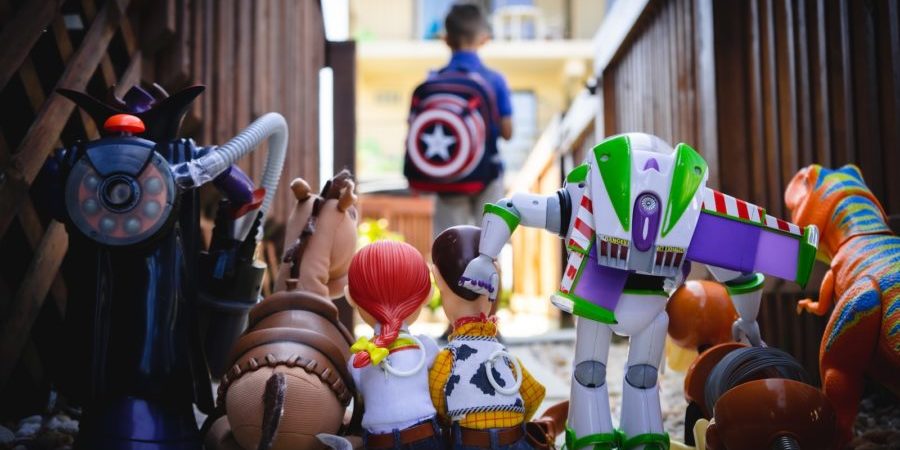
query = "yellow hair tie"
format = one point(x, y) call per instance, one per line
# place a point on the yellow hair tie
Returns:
point(376, 353)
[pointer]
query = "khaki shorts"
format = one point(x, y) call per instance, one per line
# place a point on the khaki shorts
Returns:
point(461, 209)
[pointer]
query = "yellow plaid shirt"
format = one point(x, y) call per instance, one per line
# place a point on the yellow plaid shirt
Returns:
point(532, 391)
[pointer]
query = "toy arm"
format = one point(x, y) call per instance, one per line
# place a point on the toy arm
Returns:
point(499, 222)
point(739, 236)
point(826, 298)
point(532, 393)
point(745, 290)
point(437, 380)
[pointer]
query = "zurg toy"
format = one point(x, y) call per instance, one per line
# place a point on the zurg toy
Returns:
point(149, 311)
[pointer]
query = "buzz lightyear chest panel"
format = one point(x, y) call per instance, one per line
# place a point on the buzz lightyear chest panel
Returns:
point(482, 378)
point(640, 205)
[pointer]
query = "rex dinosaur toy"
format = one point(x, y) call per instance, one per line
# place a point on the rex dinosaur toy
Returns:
point(863, 284)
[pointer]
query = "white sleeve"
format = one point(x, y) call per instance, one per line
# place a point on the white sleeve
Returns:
point(431, 348)
point(354, 372)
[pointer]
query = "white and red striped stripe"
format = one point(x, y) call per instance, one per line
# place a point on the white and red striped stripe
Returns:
point(572, 266)
point(727, 205)
point(583, 228)
point(783, 225)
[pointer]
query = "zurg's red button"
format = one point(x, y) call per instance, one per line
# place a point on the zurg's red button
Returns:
point(124, 123)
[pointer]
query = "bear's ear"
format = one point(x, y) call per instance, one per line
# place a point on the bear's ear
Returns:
point(800, 187)
point(853, 171)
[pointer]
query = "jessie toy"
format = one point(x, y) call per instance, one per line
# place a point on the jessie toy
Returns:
point(863, 334)
point(388, 283)
point(477, 387)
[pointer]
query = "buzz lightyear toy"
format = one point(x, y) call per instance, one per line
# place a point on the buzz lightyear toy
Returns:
point(634, 216)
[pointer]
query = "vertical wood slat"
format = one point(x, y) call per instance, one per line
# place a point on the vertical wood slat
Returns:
point(840, 89)
point(889, 55)
point(341, 57)
point(868, 148)
point(822, 150)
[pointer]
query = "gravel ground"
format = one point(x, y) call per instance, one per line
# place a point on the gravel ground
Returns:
point(558, 358)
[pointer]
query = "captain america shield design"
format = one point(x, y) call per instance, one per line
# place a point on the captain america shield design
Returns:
point(446, 139)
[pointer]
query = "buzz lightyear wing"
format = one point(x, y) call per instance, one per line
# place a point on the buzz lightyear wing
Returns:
point(738, 235)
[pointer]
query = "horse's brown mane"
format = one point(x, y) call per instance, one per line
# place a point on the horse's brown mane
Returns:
point(337, 183)
point(330, 191)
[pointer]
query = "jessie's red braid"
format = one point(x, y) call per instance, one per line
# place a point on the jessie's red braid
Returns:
point(390, 281)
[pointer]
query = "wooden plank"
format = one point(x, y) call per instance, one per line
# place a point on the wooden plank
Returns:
point(755, 113)
point(770, 110)
point(708, 138)
point(131, 76)
point(617, 26)
point(22, 32)
point(260, 58)
point(840, 83)
point(107, 70)
point(38, 141)
point(34, 233)
point(341, 57)
point(734, 94)
point(804, 103)
point(786, 93)
point(160, 26)
point(30, 297)
point(223, 75)
point(821, 104)
point(175, 64)
point(64, 45)
point(868, 145)
point(889, 85)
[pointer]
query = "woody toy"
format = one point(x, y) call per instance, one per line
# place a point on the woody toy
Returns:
point(479, 390)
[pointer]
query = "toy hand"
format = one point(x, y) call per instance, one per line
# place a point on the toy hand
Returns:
point(748, 331)
point(809, 305)
point(481, 277)
point(336, 442)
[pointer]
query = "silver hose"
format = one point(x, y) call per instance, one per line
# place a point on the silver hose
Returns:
point(204, 169)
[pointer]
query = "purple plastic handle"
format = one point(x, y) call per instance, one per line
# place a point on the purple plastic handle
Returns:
point(236, 186)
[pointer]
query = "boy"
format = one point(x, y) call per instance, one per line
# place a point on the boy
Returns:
point(473, 381)
point(466, 31)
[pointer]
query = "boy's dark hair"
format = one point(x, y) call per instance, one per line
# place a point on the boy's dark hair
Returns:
point(452, 251)
point(464, 23)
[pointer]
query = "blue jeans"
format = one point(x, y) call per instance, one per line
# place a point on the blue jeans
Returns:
point(433, 443)
point(521, 444)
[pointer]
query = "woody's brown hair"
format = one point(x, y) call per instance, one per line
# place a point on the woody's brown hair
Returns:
point(452, 251)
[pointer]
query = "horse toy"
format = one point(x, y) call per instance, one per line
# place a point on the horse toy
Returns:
point(748, 398)
point(740, 388)
point(288, 379)
point(863, 284)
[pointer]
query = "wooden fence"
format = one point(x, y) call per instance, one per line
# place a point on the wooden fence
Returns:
point(408, 216)
point(253, 56)
point(761, 88)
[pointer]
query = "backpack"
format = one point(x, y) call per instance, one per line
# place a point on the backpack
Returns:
point(451, 145)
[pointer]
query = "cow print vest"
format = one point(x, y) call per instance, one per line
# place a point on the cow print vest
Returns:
point(468, 390)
